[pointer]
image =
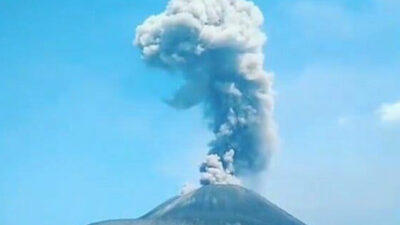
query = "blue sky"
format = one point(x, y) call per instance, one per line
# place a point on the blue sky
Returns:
point(85, 135)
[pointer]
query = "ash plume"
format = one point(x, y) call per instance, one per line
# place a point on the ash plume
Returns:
point(216, 170)
point(217, 48)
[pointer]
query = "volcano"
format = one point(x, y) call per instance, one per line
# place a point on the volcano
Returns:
point(214, 205)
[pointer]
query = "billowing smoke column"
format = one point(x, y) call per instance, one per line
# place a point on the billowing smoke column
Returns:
point(216, 45)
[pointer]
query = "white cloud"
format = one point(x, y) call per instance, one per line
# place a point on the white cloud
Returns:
point(390, 112)
point(343, 20)
point(340, 20)
point(344, 121)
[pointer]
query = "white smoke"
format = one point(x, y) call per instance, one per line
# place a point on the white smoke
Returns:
point(217, 47)
point(188, 188)
point(213, 170)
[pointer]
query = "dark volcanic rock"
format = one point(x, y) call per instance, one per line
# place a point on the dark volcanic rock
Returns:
point(214, 205)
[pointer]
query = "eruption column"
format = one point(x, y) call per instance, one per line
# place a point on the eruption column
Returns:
point(217, 47)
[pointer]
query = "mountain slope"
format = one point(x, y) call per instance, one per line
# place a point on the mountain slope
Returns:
point(214, 205)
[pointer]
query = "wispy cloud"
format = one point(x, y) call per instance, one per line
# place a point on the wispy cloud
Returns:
point(323, 19)
point(345, 21)
point(390, 112)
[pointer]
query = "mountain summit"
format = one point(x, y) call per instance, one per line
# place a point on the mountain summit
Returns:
point(214, 205)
